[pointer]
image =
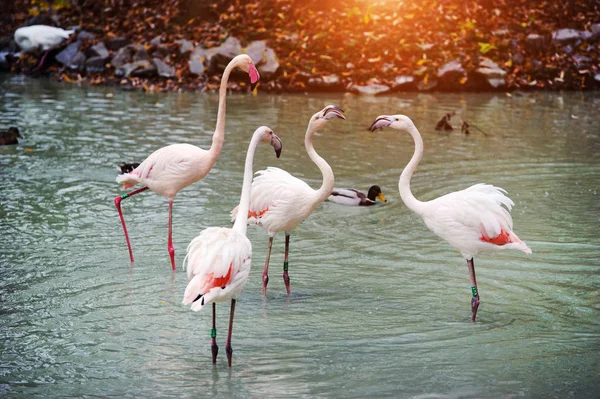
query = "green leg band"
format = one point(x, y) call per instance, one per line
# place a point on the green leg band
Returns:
point(474, 290)
point(285, 266)
point(213, 333)
point(123, 196)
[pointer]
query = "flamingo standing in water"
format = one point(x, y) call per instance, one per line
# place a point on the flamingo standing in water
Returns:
point(170, 169)
point(475, 220)
point(281, 201)
point(218, 260)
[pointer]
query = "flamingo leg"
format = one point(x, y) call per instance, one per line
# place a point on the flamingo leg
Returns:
point(265, 275)
point(170, 242)
point(118, 200)
point(228, 348)
point(286, 277)
point(213, 335)
point(474, 291)
point(42, 61)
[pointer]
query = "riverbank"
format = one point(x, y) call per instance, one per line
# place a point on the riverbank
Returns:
point(355, 46)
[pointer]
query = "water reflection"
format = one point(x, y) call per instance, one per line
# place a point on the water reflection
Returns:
point(379, 305)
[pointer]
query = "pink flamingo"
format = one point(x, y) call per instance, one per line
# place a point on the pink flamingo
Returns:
point(170, 169)
point(475, 220)
point(281, 201)
point(218, 260)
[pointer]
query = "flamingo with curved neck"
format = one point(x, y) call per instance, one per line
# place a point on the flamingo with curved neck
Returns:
point(172, 168)
point(475, 220)
point(218, 260)
point(281, 201)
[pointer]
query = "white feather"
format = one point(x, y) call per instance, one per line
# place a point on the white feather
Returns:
point(40, 37)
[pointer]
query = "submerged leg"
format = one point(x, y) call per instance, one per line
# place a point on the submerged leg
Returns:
point(170, 243)
point(118, 200)
point(265, 275)
point(475, 299)
point(286, 277)
point(228, 348)
point(213, 335)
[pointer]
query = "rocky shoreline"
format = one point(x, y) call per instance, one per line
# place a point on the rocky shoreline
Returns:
point(366, 49)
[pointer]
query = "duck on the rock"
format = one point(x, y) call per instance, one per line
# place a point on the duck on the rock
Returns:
point(125, 167)
point(10, 136)
point(350, 196)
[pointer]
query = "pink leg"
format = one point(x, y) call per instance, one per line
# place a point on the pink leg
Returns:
point(265, 275)
point(170, 243)
point(475, 298)
point(286, 277)
point(228, 348)
point(213, 335)
point(41, 61)
point(118, 200)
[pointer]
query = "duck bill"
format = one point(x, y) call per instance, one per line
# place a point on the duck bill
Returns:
point(381, 197)
point(332, 112)
point(277, 145)
point(381, 122)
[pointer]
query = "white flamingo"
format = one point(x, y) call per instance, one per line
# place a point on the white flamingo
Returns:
point(170, 169)
point(218, 260)
point(281, 201)
point(475, 220)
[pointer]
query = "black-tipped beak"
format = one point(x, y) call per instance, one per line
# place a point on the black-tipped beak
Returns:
point(277, 144)
point(381, 122)
point(331, 111)
point(200, 296)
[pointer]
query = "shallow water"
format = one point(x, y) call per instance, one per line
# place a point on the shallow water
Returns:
point(379, 307)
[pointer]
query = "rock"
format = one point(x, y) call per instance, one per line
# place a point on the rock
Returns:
point(568, 49)
point(270, 65)
point(123, 56)
point(404, 82)
point(117, 43)
point(450, 74)
point(157, 40)
point(217, 58)
point(161, 51)
point(370, 90)
point(164, 70)
point(85, 35)
point(535, 41)
point(77, 63)
point(581, 60)
point(564, 36)
point(71, 57)
point(256, 51)
point(184, 45)
point(95, 64)
point(196, 62)
point(517, 58)
point(328, 83)
point(595, 28)
point(597, 77)
point(129, 68)
point(141, 54)
point(4, 61)
point(491, 72)
point(146, 71)
point(426, 86)
point(99, 50)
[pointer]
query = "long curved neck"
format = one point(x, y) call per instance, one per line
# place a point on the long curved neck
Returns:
point(328, 180)
point(240, 222)
point(404, 184)
point(219, 134)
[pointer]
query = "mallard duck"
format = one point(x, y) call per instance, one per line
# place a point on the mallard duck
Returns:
point(10, 136)
point(350, 196)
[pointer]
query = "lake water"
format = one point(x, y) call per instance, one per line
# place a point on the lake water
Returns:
point(380, 307)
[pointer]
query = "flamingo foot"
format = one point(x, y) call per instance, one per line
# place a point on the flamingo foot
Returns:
point(286, 280)
point(215, 350)
point(229, 351)
point(265, 279)
point(474, 307)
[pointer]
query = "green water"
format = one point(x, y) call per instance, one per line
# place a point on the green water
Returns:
point(380, 307)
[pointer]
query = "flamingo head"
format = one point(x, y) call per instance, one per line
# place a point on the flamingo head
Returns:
point(245, 63)
point(326, 114)
point(398, 122)
point(267, 136)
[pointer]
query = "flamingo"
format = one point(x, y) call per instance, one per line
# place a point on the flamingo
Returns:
point(281, 201)
point(353, 197)
point(218, 260)
point(43, 37)
point(475, 220)
point(170, 169)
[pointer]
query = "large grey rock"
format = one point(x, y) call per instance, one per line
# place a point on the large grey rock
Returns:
point(123, 56)
point(328, 83)
point(184, 45)
point(270, 65)
point(85, 35)
point(117, 43)
point(146, 71)
point(256, 51)
point(65, 56)
point(95, 64)
point(564, 36)
point(491, 72)
point(426, 86)
point(141, 54)
point(196, 62)
point(217, 58)
point(99, 50)
point(535, 41)
point(404, 82)
point(127, 69)
point(157, 40)
point(370, 90)
point(163, 69)
point(450, 74)
point(4, 62)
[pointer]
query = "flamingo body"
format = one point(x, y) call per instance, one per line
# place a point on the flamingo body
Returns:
point(42, 37)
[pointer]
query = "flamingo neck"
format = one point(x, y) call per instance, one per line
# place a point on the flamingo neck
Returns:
point(404, 184)
point(219, 134)
point(240, 224)
point(328, 180)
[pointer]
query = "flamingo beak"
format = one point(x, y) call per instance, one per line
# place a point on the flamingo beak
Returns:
point(332, 111)
point(381, 197)
point(277, 144)
point(381, 122)
point(254, 75)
